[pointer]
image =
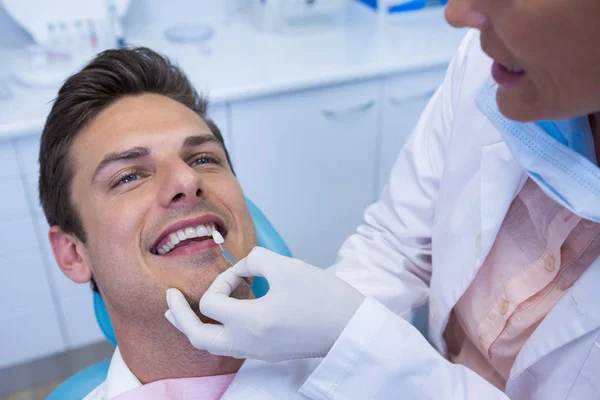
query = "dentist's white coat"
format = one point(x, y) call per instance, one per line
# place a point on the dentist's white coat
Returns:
point(427, 237)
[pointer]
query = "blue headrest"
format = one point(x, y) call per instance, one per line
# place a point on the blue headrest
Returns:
point(267, 237)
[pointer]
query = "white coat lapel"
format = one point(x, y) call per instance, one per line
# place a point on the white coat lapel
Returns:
point(502, 177)
point(258, 380)
point(575, 315)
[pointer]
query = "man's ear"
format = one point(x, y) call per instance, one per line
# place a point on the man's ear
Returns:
point(68, 252)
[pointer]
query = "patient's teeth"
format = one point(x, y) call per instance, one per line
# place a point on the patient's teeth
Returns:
point(190, 233)
point(202, 231)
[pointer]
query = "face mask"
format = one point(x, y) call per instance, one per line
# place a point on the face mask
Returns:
point(558, 155)
point(574, 133)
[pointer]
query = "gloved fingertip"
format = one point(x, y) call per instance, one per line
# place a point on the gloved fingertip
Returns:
point(169, 316)
point(169, 292)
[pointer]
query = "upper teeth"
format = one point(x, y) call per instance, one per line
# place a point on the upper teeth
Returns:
point(187, 233)
point(514, 69)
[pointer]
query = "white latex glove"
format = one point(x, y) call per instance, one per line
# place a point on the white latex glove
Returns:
point(302, 315)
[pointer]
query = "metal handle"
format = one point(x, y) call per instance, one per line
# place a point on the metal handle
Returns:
point(424, 96)
point(350, 110)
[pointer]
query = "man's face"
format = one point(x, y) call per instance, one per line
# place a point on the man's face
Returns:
point(555, 43)
point(148, 169)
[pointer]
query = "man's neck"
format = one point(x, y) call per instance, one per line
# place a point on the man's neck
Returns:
point(162, 353)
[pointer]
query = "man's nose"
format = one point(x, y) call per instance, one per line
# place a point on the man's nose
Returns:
point(180, 185)
point(466, 14)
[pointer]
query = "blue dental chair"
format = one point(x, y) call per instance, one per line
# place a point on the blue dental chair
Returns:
point(83, 382)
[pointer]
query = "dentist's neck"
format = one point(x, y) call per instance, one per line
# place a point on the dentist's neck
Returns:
point(164, 353)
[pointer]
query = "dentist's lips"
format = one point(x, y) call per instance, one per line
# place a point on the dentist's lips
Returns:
point(188, 236)
point(506, 76)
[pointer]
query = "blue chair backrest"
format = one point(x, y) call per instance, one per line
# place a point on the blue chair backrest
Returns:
point(80, 384)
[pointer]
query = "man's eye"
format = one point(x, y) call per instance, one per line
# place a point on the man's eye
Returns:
point(205, 159)
point(126, 179)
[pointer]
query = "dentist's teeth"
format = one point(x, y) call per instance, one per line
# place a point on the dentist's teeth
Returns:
point(174, 239)
point(161, 252)
point(181, 235)
point(190, 233)
point(202, 231)
point(166, 248)
point(171, 246)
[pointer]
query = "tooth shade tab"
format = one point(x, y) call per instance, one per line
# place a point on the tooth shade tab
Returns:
point(217, 237)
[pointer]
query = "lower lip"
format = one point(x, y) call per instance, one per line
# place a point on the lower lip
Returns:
point(190, 248)
point(504, 77)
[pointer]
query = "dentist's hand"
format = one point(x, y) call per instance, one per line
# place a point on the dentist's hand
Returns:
point(302, 315)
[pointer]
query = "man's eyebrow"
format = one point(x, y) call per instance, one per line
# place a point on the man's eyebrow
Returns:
point(199, 140)
point(130, 154)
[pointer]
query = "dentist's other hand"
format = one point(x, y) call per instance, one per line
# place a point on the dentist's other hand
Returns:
point(302, 315)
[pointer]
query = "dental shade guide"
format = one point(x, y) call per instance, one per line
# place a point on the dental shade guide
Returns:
point(219, 240)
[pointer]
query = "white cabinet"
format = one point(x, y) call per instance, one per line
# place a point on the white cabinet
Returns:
point(405, 98)
point(29, 321)
point(17, 236)
point(28, 150)
point(308, 161)
point(219, 113)
point(13, 201)
point(8, 160)
point(72, 301)
point(30, 336)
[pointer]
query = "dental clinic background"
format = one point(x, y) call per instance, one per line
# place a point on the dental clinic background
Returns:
point(315, 100)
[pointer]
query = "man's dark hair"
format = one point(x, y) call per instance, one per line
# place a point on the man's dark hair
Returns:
point(110, 76)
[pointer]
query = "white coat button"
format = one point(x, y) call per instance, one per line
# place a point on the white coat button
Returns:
point(504, 307)
point(550, 264)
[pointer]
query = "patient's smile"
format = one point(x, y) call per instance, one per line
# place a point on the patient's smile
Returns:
point(190, 236)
